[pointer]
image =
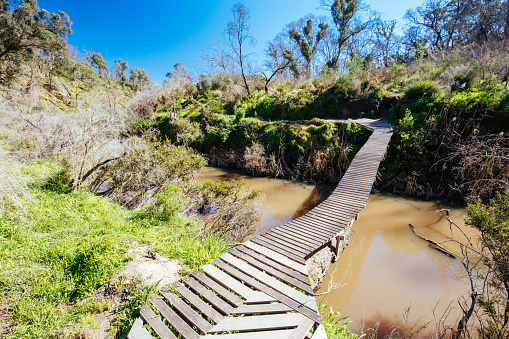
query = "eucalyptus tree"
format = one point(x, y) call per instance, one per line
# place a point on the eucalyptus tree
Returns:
point(309, 40)
point(96, 60)
point(139, 78)
point(344, 14)
point(25, 31)
point(121, 67)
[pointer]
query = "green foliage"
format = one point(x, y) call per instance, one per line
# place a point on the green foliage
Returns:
point(68, 243)
point(120, 68)
point(170, 200)
point(139, 78)
point(336, 326)
point(96, 60)
point(492, 220)
point(150, 162)
point(27, 29)
point(422, 90)
point(308, 43)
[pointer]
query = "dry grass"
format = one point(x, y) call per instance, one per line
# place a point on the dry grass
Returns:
point(481, 166)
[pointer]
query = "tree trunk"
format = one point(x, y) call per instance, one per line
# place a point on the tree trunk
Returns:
point(507, 22)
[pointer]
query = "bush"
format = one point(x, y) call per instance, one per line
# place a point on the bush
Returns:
point(423, 89)
point(80, 141)
point(148, 165)
point(226, 208)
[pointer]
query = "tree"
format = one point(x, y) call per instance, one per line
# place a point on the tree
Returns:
point(139, 78)
point(81, 73)
point(54, 61)
point(25, 30)
point(275, 63)
point(238, 36)
point(121, 67)
point(447, 23)
point(343, 15)
point(308, 42)
point(96, 60)
point(384, 39)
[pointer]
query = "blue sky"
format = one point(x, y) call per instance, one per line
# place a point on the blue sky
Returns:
point(156, 34)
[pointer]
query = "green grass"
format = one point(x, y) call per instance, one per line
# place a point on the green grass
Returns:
point(336, 325)
point(57, 247)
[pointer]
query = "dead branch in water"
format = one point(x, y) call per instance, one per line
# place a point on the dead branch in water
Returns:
point(433, 244)
point(332, 285)
point(445, 213)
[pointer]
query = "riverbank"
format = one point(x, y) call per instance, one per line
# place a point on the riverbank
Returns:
point(58, 246)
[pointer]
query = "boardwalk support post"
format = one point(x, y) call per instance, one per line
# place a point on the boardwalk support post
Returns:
point(338, 239)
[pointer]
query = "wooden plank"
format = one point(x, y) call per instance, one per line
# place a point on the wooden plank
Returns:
point(266, 279)
point(272, 271)
point(300, 236)
point(344, 209)
point(309, 223)
point(186, 311)
point(281, 334)
point(258, 322)
point(138, 331)
point(223, 292)
point(197, 302)
point(228, 281)
point(302, 330)
point(284, 244)
point(313, 315)
point(259, 298)
point(319, 333)
point(302, 241)
point(156, 323)
point(274, 264)
point(277, 257)
point(325, 218)
point(263, 308)
point(333, 212)
point(317, 226)
point(315, 230)
point(310, 238)
point(267, 244)
point(296, 228)
point(180, 325)
point(340, 218)
point(213, 299)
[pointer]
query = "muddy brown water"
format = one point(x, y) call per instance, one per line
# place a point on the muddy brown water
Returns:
point(284, 200)
point(385, 268)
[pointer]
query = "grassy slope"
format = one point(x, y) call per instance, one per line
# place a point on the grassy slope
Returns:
point(57, 247)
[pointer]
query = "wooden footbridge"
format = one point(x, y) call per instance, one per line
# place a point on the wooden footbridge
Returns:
point(261, 288)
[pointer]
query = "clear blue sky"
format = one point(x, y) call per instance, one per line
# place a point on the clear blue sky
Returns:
point(156, 34)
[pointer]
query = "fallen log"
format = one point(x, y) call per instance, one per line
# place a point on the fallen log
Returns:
point(433, 244)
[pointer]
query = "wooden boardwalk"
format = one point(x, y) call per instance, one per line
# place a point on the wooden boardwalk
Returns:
point(261, 288)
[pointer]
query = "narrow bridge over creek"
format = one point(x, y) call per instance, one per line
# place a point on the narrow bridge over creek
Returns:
point(261, 288)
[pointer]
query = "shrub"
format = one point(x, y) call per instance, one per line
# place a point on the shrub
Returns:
point(81, 141)
point(226, 208)
point(423, 89)
point(148, 165)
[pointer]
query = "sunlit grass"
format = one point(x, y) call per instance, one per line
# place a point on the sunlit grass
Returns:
point(62, 245)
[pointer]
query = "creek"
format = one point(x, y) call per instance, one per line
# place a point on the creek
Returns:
point(385, 268)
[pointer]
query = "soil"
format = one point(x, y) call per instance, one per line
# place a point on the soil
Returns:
point(146, 269)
